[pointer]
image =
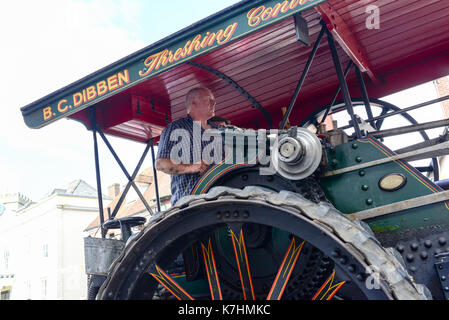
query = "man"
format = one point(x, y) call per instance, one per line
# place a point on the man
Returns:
point(200, 105)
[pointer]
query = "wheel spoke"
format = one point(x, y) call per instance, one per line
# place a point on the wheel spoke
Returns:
point(168, 283)
point(211, 269)
point(328, 289)
point(285, 270)
point(241, 257)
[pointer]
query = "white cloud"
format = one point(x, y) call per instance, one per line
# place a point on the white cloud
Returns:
point(46, 45)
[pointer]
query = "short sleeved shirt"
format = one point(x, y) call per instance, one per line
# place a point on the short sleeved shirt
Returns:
point(181, 140)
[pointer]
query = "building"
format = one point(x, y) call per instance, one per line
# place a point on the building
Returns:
point(41, 243)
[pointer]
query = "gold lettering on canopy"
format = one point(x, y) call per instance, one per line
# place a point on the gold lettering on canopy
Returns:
point(199, 42)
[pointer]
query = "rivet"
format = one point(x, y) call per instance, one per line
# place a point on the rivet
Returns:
point(245, 177)
point(428, 243)
point(364, 187)
point(414, 246)
point(361, 173)
point(245, 214)
point(227, 214)
point(400, 248)
point(424, 255)
point(355, 146)
point(351, 268)
point(443, 278)
point(446, 288)
point(358, 159)
point(334, 162)
point(412, 269)
point(409, 257)
point(343, 260)
point(442, 241)
point(369, 201)
point(335, 254)
point(218, 215)
point(360, 277)
point(236, 214)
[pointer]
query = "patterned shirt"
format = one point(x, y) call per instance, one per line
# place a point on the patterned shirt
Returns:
point(181, 141)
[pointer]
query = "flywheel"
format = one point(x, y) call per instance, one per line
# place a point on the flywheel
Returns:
point(257, 244)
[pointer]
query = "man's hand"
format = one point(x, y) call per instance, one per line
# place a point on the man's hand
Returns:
point(202, 166)
point(167, 166)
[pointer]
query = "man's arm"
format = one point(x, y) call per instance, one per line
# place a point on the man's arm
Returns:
point(167, 166)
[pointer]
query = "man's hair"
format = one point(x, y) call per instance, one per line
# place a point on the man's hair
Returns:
point(192, 94)
point(219, 119)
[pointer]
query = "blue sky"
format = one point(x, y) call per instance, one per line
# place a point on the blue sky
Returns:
point(48, 44)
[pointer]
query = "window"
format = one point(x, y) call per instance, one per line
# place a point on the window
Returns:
point(45, 250)
point(6, 259)
point(44, 287)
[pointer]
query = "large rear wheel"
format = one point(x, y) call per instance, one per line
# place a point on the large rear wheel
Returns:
point(257, 244)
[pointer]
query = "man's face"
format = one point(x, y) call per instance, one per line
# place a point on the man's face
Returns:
point(204, 106)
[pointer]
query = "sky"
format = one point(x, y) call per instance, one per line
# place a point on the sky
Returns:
point(48, 44)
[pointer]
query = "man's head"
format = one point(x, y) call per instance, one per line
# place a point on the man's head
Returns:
point(200, 103)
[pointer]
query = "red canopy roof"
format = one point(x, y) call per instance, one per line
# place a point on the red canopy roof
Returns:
point(410, 47)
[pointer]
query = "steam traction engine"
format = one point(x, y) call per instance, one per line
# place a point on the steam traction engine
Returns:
point(302, 212)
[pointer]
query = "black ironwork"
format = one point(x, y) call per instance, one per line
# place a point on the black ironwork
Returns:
point(442, 268)
point(364, 93)
point(342, 81)
point(386, 114)
point(156, 184)
point(131, 180)
point(93, 119)
point(242, 91)
point(334, 98)
point(303, 77)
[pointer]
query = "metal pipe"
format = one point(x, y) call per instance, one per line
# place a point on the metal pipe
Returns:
point(400, 206)
point(156, 185)
point(416, 106)
point(342, 81)
point(303, 77)
point(409, 129)
point(97, 171)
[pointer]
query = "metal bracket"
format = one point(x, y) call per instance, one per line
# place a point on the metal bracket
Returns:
point(442, 268)
point(238, 88)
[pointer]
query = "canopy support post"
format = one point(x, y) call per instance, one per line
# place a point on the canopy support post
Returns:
point(342, 81)
point(93, 119)
point(156, 185)
point(303, 77)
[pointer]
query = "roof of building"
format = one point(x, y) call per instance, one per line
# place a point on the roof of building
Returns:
point(76, 188)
